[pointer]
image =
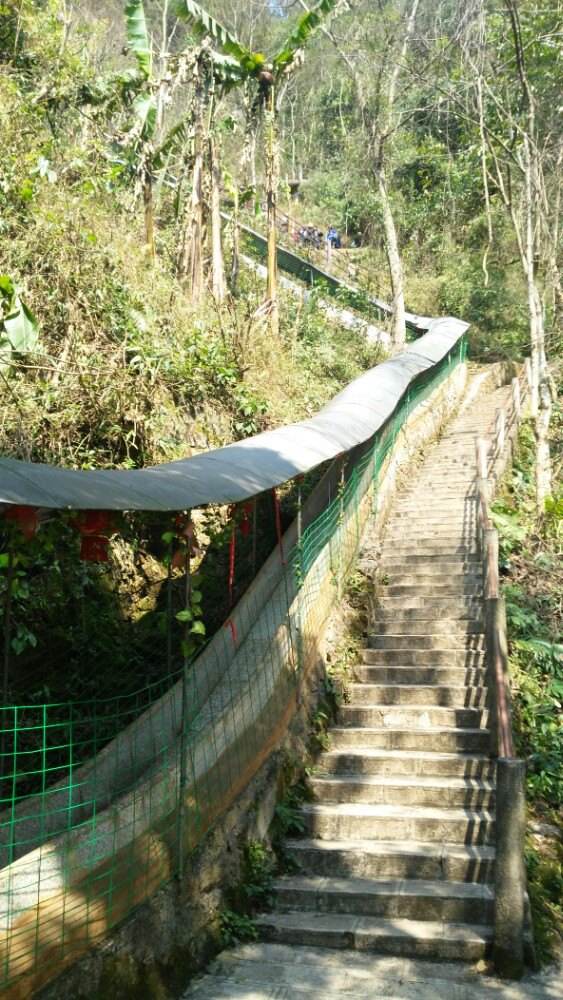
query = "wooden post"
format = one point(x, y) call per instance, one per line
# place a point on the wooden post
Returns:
point(491, 581)
point(516, 400)
point(500, 430)
point(482, 448)
point(528, 370)
point(509, 868)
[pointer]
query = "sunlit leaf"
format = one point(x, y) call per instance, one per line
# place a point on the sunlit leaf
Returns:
point(137, 34)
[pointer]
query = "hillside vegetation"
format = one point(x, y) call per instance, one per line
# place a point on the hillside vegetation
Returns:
point(132, 331)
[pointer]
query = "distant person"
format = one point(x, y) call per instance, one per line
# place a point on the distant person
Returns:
point(333, 237)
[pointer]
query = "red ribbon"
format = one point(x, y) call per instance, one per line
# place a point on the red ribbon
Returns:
point(246, 523)
point(95, 526)
point(94, 548)
point(232, 628)
point(277, 511)
point(95, 522)
point(232, 554)
point(25, 518)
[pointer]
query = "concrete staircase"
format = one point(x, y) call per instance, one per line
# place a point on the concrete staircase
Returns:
point(398, 855)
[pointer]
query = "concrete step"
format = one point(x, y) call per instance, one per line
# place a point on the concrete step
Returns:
point(459, 902)
point(409, 657)
point(425, 675)
point(465, 793)
point(443, 528)
point(414, 716)
point(424, 604)
point(439, 740)
point(473, 640)
point(361, 821)
point(428, 567)
point(433, 547)
point(396, 610)
point(264, 970)
point(456, 504)
point(392, 859)
point(406, 762)
point(398, 937)
point(417, 558)
point(459, 530)
point(424, 582)
point(417, 694)
point(427, 625)
point(384, 821)
point(440, 590)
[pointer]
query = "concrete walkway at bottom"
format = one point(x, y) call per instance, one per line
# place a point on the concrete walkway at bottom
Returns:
point(279, 972)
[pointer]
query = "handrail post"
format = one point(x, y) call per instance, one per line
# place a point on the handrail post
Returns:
point(516, 398)
point(482, 448)
point(500, 430)
point(510, 877)
point(491, 576)
point(508, 949)
point(528, 370)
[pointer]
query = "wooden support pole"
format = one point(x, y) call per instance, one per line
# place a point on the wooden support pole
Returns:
point(509, 868)
point(491, 581)
point(500, 430)
point(516, 399)
point(482, 448)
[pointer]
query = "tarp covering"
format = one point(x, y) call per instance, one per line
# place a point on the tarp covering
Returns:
point(243, 469)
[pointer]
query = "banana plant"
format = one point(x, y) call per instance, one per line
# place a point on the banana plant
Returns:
point(19, 332)
point(145, 108)
point(266, 74)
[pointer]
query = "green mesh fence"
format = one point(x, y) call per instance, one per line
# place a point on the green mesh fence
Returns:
point(125, 788)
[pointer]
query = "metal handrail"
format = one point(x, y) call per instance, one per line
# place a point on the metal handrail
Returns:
point(510, 879)
point(490, 454)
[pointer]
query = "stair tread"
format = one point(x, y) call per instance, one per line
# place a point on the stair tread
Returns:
point(422, 781)
point(383, 810)
point(396, 729)
point(382, 848)
point(408, 707)
point(365, 685)
point(430, 755)
point(401, 887)
point(402, 927)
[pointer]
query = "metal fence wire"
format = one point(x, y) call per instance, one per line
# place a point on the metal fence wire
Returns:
point(126, 787)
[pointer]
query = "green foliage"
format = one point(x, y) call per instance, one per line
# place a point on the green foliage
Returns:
point(236, 927)
point(545, 889)
point(137, 35)
point(288, 818)
point(306, 25)
point(530, 557)
point(259, 866)
point(19, 332)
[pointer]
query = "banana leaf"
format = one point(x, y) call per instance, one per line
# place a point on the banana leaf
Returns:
point(206, 26)
point(300, 35)
point(137, 34)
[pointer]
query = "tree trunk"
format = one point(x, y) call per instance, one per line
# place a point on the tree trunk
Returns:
point(272, 173)
point(190, 262)
point(148, 203)
point(219, 286)
point(543, 456)
point(235, 261)
point(541, 403)
point(398, 324)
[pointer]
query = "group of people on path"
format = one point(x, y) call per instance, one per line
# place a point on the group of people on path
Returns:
point(310, 236)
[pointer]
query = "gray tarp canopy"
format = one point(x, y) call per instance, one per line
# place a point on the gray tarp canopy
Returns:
point(243, 469)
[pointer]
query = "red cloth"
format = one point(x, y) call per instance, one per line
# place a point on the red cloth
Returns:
point(25, 518)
